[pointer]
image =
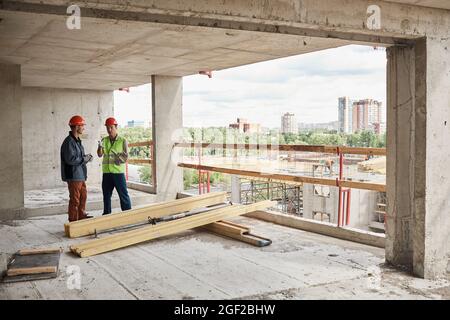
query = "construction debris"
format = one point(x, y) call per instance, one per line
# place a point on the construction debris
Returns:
point(150, 232)
point(375, 165)
point(238, 232)
point(33, 264)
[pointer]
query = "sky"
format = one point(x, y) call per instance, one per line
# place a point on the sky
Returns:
point(307, 85)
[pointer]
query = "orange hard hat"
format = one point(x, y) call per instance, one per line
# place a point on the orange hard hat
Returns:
point(76, 121)
point(110, 122)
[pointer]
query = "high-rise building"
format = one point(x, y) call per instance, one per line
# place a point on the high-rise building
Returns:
point(345, 115)
point(367, 115)
point(288, 123)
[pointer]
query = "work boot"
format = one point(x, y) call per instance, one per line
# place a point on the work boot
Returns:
point(85, 216)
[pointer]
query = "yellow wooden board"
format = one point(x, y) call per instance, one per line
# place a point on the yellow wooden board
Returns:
point(155, 231)
point(90, 226)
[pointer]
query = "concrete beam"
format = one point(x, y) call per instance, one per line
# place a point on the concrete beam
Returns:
point(344, 19)
point(11, 167)
point(167, 124)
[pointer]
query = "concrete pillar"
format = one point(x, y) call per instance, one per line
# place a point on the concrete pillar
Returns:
point(400, 154)
point(418, 184)
point(167, 124)
point(11, 166)
point(235, 189)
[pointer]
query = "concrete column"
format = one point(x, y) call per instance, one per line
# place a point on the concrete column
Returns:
point(167, 124)
point(400, 155)
point(11, 166)
point(235, 189)
point(418, 183)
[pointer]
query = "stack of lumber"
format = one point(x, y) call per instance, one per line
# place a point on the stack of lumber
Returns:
point(375, 165)
point(204, 210)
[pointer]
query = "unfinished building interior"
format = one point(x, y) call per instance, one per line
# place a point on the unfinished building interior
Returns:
point(50, 71)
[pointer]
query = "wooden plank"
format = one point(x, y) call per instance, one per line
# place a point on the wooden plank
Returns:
point(276, 176)
point(24, 252)
point(272, 147)
point(363, 185)
point(139, 161)
point(141, 144)
point(237, 232)
point(286, 147)
point(89, 226)
point(366, 151)
point(271, 176)
point(30, 277)
point(167, 228)
point(33, 266)
point(32, 270)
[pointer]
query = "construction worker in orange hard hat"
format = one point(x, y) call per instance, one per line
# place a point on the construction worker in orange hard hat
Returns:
point(74, 170)
point(114, 150)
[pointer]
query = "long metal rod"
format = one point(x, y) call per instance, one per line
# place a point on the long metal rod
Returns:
point(177, 216)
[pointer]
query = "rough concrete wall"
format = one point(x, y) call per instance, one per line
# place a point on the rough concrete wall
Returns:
point(400, 155)
point(362, 208)
point(418, 179)
point(167, 120)
point(315, 203)
point(11, 175)
point(434, 117)
point(45, 115)
point(362, 205)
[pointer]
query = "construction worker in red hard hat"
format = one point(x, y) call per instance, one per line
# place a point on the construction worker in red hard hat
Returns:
point(114, 150)
point(74, 170)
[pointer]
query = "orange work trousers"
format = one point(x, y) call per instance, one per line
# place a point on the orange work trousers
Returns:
point(77, 202)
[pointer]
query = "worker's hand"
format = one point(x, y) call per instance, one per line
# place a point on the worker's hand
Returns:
point(117, 161)
point(100, 144)
point(87, 158)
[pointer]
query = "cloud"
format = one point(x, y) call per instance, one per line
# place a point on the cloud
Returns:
point(308, 85)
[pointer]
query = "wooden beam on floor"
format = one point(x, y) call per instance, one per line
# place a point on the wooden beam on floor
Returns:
point(93, 225)
point(31, 270)
point(25, 252)
point(237, 232)
point(163, 229)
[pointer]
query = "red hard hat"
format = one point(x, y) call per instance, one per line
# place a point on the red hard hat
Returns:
point(76, 121)
point(110, 122)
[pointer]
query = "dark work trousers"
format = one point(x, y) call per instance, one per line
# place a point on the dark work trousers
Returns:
point(111, 181)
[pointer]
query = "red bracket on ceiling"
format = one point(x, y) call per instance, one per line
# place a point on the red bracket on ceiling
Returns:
point(206, 73)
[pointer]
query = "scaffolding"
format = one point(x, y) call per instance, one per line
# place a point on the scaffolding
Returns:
point(289, 197)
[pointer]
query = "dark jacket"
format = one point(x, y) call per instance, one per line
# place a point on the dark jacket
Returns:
point(73, 167)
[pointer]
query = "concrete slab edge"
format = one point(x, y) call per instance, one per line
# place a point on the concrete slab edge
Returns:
point(344, 233)
point(24, 213)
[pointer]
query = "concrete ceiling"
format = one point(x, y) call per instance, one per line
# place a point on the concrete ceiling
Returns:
point(107, 55)
point(441, 4)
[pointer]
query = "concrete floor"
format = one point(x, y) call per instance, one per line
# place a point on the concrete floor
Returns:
point(200, 265)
